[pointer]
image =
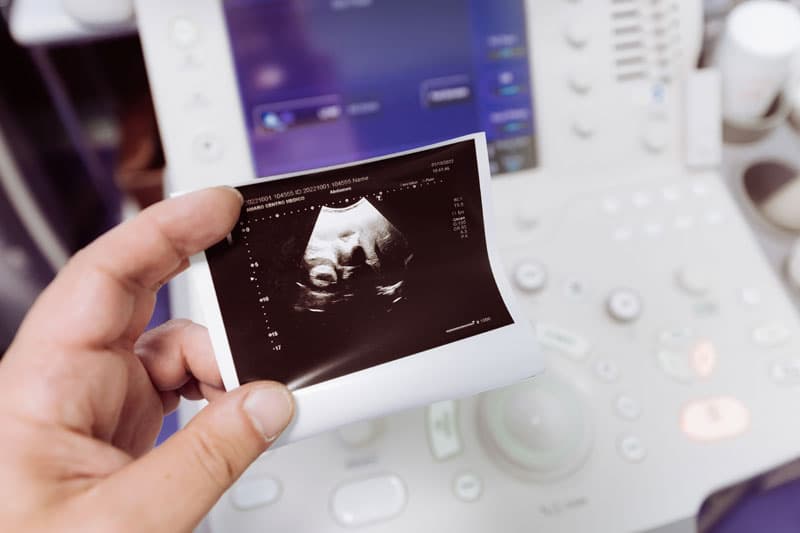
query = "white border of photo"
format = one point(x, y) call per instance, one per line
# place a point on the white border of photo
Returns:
point(460, 369)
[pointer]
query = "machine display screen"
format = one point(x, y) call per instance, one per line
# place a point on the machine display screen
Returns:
point(324, 82)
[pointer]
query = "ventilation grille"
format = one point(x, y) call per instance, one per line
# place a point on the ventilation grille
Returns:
point(645, 39)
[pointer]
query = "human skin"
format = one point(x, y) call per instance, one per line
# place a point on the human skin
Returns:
point(83, 390)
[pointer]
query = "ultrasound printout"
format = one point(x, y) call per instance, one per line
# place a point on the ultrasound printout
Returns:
point(328, 273)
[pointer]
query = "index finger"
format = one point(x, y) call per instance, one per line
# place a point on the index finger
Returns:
point(107, 290)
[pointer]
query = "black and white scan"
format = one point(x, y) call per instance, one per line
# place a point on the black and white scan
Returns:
point(333, 272)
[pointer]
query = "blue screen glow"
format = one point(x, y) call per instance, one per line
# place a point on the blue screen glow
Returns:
point(325, 82)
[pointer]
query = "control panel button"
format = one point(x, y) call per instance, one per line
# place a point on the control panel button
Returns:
point(563, 341)
point(670, 194)
point(693, 280)
point(719, 418)
point(368, 501)
point(358, 434)
point(583, 127)
point(632, 449)
point(653, 229)
point(676, 337)
point(624, 305)
point(192, 60)
point(526, 217)
point(606, 371)
point(622, 234)
point(207, 148)
point(184, 32)
point(580, 83)
point(252, 493)
point(542, 427)
point(445, 439)
point(627, 407)
point(750, 296)
point(574, 288)
point(197, 100)
point(675, 365)
point(468, 487)
point(530, 276)
point(577, 33)
point(770, 335)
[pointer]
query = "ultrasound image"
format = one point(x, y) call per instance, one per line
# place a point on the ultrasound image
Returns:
point(334, 272)
point(355, 259)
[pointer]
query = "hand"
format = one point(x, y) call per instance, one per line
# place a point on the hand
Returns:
point(83, 391)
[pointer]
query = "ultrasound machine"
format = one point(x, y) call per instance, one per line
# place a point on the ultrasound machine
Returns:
point(673, 349)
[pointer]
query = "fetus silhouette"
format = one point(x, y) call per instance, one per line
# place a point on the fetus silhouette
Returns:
point(354, 256)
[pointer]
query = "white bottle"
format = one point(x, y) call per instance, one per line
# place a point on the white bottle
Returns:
point(754, 57)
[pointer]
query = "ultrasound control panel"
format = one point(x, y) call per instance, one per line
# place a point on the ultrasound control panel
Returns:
point(673, 351)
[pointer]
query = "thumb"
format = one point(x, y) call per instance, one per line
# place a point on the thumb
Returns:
point(173, 487)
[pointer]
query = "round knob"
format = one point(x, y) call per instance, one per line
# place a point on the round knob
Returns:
point(624, 305)
point(580, 83)
point(185, 33)
point(577, 33)
point(530, 276)
point(583, 127)
point(541, 428)
point(794, 265)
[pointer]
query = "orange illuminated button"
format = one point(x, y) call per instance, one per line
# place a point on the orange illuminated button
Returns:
point(713, 419)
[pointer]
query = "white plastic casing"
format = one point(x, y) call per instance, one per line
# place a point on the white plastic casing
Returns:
point(98, 14)
point(41, 22)
point(612, 206)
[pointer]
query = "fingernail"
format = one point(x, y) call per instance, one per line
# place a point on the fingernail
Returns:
point(235, 190)
point(270, 410)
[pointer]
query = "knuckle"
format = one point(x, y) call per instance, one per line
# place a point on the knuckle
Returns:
point(158, 220)
point(154, 341)
point(216, 458)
